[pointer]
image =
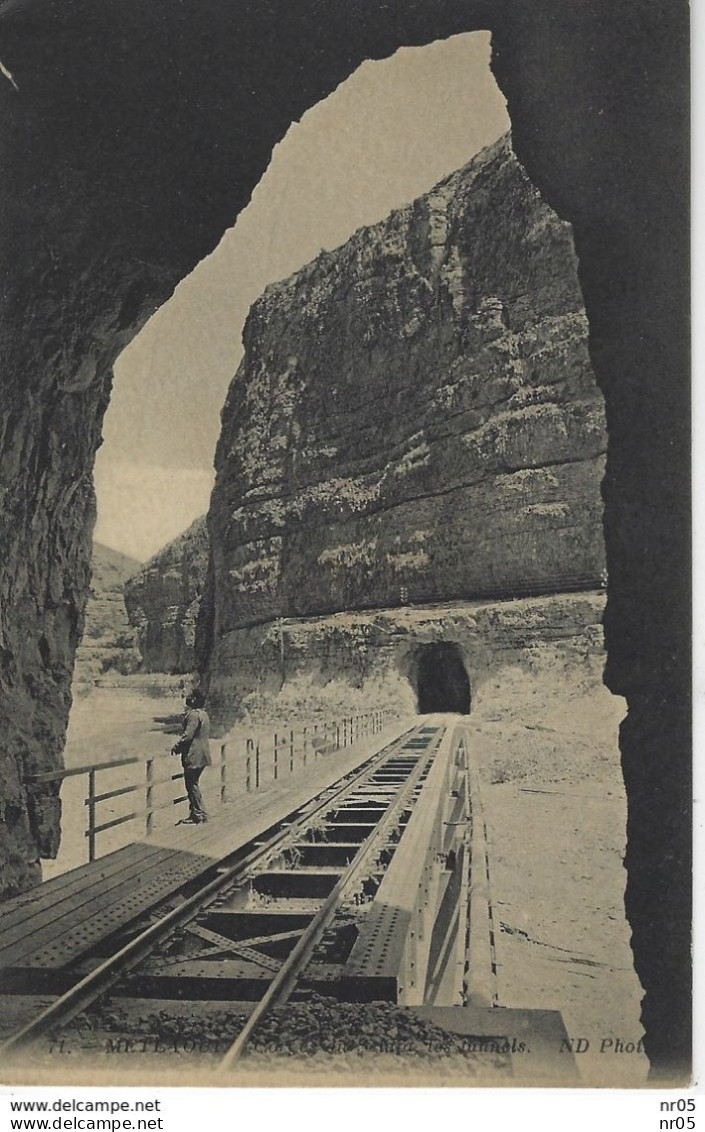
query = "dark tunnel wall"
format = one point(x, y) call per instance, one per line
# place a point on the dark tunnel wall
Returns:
point(133, 134)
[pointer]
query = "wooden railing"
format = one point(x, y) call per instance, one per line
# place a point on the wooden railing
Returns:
point(270, 757)
point(93, 798)
point(266, 759)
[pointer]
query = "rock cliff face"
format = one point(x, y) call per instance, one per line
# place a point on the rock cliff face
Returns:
point(109, 642)
point(386, 658)
point(163, 601)
point(415, 417)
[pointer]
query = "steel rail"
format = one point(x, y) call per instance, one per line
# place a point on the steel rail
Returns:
point(287, 977)
point(98, 981)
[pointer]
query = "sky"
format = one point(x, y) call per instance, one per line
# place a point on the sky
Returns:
point(384, 137)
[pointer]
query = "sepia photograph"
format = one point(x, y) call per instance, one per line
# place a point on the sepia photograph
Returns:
point(345, 594)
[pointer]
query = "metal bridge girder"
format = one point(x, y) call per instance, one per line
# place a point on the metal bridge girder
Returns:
point(413, 942)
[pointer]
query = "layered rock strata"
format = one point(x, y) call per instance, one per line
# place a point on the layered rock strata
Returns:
point(415, 418)
point(109, 642)
point(335, 666)
point(163, 601)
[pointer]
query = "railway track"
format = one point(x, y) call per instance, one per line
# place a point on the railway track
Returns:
point(360, 894)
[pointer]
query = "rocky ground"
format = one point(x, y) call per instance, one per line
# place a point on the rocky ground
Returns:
point(313, 1035)
point(313, 1042)
point(555, 811)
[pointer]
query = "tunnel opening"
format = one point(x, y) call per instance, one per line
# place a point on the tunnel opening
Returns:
point(442, 682)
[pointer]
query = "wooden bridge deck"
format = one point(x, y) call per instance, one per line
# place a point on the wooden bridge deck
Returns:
point(60, 921)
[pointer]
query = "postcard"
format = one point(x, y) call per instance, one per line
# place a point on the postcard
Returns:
point(345, 607)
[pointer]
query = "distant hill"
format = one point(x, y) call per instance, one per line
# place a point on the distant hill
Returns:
point(108, 640)
point(111, 568)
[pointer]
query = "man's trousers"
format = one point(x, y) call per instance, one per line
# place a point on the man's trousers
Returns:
point(195, 798)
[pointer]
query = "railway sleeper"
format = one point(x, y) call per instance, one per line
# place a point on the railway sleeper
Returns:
point(349, 832)
point(230, 979)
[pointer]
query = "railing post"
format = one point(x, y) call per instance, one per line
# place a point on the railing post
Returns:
point(249, 747)
point(291, 752)
point(276, 756)
point(257, 764)
point(149, 816)
point(223, 773)
point(91, 815)
point(337, 737)
point(304, 745)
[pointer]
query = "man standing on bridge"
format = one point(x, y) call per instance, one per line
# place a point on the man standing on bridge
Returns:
point(195, 754)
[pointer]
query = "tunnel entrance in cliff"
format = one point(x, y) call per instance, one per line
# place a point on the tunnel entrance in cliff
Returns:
point(442, 682)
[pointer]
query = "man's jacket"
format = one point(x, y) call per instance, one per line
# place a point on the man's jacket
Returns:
point(193, 745)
